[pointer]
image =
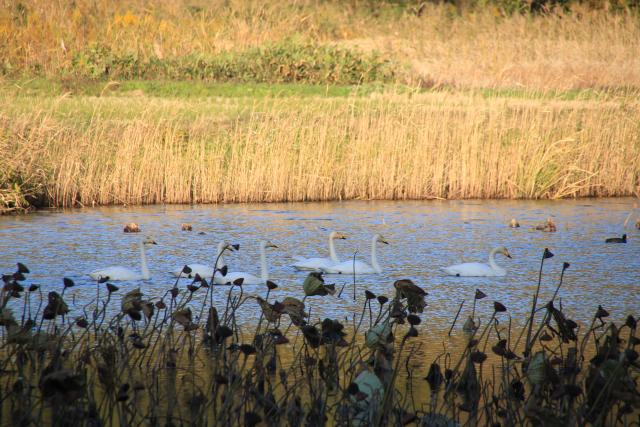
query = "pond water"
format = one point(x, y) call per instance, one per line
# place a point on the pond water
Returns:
point(424, 236)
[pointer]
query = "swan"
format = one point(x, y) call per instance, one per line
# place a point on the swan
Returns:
point(359, 267)
point(122, 273)
point(205, 271)
point(315, 264)
point(477, 269)
point(248, 278)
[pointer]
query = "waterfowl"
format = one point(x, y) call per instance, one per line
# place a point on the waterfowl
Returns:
point(476, 269)
point(119, 273)
point(186, 227)
point(622, 239)
point(315, 264)
point(248, 278)
point(131, 227)
point(206, 271)
point(638, 224)
point(549, 226)
point(359, 267)
point(514, 223)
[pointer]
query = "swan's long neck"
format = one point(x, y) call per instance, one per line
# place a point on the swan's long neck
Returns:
point(492, 261)
point(332, 250)
point(374, 256)
point(220, 260)
point(264, 271)
point(143, 263)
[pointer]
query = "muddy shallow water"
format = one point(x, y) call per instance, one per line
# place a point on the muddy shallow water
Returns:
point(424, 236)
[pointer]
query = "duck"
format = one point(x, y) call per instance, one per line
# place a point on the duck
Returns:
point(248, 278)
point(206, 271)
point(549, 226)
point(357, 266)
point(131, 227)
point(514, 223)
point(622, 239)
point(316, 264)
point(186, 227)
point(476, 269)
point(119, 273)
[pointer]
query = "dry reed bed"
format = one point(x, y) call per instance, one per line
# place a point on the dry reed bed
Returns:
point(480, 48)
point(88, 151)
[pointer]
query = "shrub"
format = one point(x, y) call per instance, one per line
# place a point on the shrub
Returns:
point(284, 62)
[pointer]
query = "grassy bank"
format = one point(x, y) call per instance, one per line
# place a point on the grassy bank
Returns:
point(469, 44)
point(192, 101)
point(119, 148)
point(125, 359)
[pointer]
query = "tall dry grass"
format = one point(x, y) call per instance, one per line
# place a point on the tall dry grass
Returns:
point(473, 48)
point(437, 145)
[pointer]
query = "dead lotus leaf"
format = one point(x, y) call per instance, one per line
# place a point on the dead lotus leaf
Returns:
point(314, 285)
point(183, 317)
point(132, 301)
point(295, 309)
point(536, 369)
point(6, 317)
point(64, 383)
point(55, 306)
point(414, 294)
point(271, 312)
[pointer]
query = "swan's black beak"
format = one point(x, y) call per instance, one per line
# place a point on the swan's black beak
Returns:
point(153, 242)
point(385, 242)
point(508, 255)
point(236, 246)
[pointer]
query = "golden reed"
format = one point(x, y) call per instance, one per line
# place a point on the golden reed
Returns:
point(434, 145)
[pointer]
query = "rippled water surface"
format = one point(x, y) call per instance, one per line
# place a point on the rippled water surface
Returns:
point(424, 236)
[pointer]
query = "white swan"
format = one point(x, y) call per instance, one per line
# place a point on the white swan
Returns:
point(315, 264)
point(122, 273)
point(359, 267)
point(206, 271)
point(477, 269)
point(248, 278)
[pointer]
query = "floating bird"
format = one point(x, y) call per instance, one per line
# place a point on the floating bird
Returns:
point(206, 271)
point(131, 227)
point(186, 227)
point(622, 239)
point(549, 226)
point(248, 278)
point(476, 269)
point(122, 273)
point(357, 266)
point(319, 263)
point(514, 223)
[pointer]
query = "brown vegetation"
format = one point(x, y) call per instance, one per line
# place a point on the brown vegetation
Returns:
point(582, 47)
point(175, 361)
point(72, 151)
